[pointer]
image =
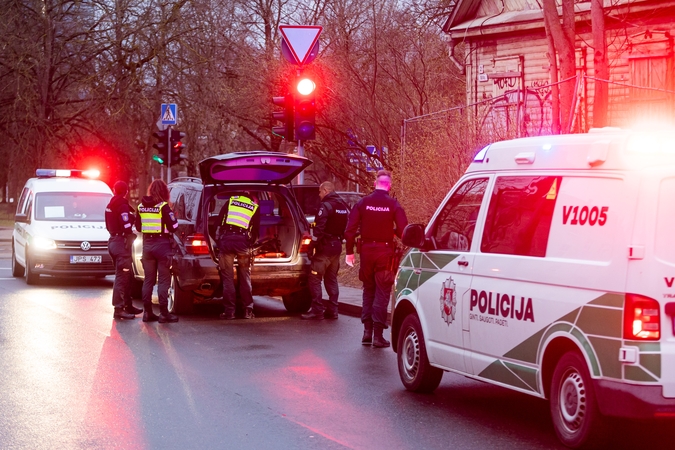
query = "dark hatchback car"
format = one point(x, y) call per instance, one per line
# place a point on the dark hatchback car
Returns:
point(281, 264)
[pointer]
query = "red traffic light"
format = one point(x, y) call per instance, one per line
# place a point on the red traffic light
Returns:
point(305, 86)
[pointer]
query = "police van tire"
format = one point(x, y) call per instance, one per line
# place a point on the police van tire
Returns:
point(180, 301)
point(414, 369)
point(17, 269)
point(574, 410)
point(298, 302)
point(31, 277)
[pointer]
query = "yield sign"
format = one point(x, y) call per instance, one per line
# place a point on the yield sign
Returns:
point(300, 39)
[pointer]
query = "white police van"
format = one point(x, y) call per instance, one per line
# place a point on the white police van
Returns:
point(59, 226)
point(549, 269)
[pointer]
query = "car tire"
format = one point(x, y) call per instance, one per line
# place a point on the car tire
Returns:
point(576, 418)
point(136, 288)
point(414, 369)
point(180, 301)
point(17, 269)
point(32, 277)
point(298, 302)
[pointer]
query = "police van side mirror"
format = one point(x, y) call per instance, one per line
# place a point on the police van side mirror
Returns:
point(413, 236)
point(21, 218)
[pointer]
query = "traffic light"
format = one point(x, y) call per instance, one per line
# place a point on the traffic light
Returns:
point(161, 146)
point(285, 116)
point(305, 110)
point(176, 147)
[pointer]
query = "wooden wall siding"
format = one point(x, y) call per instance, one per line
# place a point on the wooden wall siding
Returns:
point(526, 54)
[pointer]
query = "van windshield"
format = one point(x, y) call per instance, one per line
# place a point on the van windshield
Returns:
point(71, 206)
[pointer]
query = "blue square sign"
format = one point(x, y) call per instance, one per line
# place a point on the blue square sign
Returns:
point(169, 114)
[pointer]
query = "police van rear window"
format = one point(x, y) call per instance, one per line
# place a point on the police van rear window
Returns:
point(519, 216)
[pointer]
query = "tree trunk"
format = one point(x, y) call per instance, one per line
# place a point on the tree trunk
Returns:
point(563, 40)
point(600, 65)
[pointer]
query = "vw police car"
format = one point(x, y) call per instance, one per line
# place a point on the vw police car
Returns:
point(548, 269)
point(59, 226)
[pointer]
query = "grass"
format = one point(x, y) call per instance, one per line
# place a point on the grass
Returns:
point(7, 214)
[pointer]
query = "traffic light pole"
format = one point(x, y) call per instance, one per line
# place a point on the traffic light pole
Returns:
point(168, 155)
point(301, 152)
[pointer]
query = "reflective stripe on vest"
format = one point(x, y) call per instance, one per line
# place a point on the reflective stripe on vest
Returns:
point(151, 218)
point(240, 211)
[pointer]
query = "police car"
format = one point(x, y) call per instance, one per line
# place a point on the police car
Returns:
point(548, 269)
point(59, 226)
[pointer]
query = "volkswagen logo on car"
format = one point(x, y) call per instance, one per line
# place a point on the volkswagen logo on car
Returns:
point(85, 246)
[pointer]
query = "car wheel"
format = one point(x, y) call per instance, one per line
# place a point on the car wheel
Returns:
point(31, 276)
point(414, 369)
point(298, 302)
point(180, 301)
point(136, 288)
point(576, 418)
point(17, 269)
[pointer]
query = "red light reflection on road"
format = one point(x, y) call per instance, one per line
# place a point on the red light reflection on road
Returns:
point(113, 413)
point(311, 395)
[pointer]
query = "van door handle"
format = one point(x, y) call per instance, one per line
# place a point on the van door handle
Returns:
point(463, 263)
point(417, 271)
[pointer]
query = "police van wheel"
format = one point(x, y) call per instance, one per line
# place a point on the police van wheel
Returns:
point(576, 417)
point(298, 302)
point(180, 301)
point(414, 369)
point(17, 269)
point(31, 276)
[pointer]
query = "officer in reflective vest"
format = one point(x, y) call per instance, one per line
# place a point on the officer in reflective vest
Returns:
point(119, 220)
point(157, 222)
point(238, 229)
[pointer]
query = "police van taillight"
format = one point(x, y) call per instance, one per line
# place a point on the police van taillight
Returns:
point(196, 244)
point(641, 318)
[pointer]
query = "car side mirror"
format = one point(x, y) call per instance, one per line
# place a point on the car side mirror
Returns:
point(21, 218)
point(413, 235)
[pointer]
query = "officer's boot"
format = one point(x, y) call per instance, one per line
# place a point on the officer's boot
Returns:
point(367, 332)
point(148, 313)
point(165, 316)
point(378, 340)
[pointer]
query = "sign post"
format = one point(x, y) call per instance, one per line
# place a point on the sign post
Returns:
point(169, 116)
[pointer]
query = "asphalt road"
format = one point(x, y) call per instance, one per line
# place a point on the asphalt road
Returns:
point(72, 377)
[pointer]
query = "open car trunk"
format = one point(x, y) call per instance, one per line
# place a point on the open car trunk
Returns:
point(279, 233)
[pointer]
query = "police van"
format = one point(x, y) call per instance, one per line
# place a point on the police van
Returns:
point(59, 226)
point(549, 269)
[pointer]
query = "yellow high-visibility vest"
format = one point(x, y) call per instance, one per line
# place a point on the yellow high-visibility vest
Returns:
point(240, 212)
point(151, 218)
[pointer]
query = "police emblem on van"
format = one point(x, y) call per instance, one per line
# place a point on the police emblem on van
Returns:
point(448, 301)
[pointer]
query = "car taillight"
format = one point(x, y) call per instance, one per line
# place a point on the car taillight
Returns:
point(641, 318)
point(304, 243)
point(196, 244)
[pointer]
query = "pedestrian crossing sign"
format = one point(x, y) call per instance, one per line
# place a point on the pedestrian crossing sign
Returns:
point(169, 114)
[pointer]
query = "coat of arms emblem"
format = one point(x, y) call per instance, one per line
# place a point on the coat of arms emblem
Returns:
point(448, 301)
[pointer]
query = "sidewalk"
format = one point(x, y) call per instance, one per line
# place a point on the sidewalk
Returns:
point(349, 301)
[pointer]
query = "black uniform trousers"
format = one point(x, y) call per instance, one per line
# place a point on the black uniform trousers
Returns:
point(325, 265)
point(119, 248)
point(157, 255)
point(229, 246)
point(377, 281)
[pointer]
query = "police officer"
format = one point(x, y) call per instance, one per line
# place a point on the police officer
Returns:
point(118, 221)
point(157, 222)
point(378, 217)
point(331, 220)
point(238, 229)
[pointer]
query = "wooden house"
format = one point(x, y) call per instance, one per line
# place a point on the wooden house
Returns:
point(502, 48)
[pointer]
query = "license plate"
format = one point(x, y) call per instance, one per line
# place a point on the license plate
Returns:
point(75, 259)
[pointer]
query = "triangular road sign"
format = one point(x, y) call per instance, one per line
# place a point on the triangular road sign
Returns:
point(300, 39)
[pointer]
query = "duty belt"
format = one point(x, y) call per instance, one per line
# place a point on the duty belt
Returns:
point(235, 230)
point(155, 235)
point(379, 242)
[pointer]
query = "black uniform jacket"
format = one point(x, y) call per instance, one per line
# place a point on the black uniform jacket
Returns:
point(377, 217)
point(331, 219)
point(119, 216)
point(253, 227)
point(169, 222)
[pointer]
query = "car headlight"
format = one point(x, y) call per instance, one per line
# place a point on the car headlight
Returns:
point(44, 243)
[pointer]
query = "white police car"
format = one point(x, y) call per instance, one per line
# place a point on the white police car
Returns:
point(59, 227)
point(549, 269)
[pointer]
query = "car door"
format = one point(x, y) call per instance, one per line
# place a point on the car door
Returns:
point(21, 225)
point(445, 272)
